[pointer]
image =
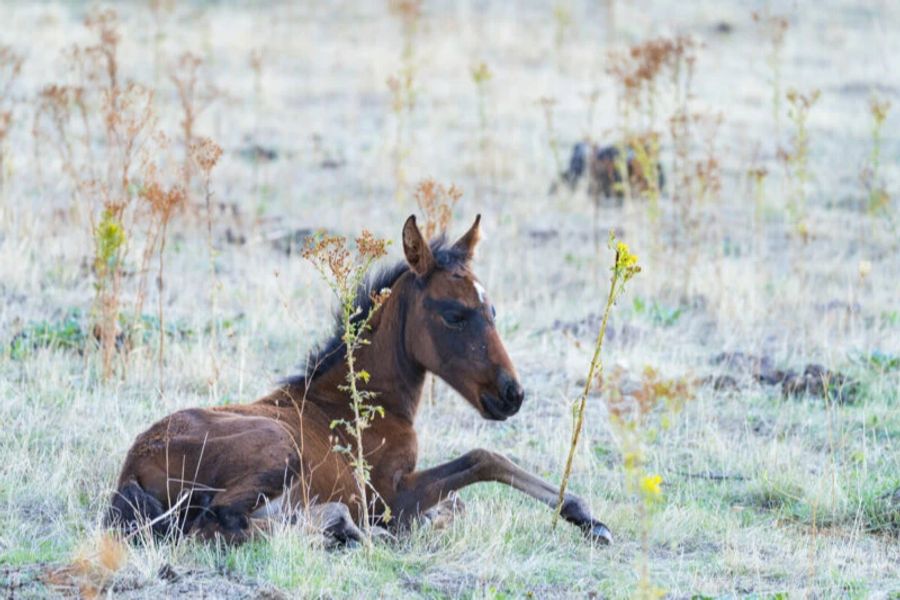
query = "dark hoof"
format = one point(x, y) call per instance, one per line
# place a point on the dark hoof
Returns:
point(600, 533)
point(344, 535)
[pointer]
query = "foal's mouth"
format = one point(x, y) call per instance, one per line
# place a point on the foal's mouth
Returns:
point(494, 410)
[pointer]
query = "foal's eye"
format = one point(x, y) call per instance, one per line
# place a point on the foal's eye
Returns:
point(454, 319)
point(493, 312)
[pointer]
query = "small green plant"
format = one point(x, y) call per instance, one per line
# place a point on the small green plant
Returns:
point(409, 14)
point(403, 100)
point(10, 69)
point(163, 202)
point(402, 86)
point(625, 266)
point(160, 10)
point(205, 154)
point(878, 200)
point(775, 28)
point(700, 184)
point(562, 18)
point(109, 252)
point(645, 150)
point(636, 424)
point(590, 100)
point(66, 333)
point(481, 76)
point(103, 176)
point(194, 100)
point(344, 270)
point(657, 313)
point(552, 141)
point(796, 160)
point(757, 176)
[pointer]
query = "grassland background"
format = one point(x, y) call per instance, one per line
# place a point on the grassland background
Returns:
point(812, 484)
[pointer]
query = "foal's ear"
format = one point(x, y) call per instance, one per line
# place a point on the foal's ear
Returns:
point(418, 254)
point(466, 244)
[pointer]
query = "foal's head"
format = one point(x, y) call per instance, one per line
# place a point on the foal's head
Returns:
point(450, 325)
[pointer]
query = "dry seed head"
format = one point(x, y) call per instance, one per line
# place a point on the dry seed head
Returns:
point(370, 247)
point(639, 68)
point(777, 26)
point(256, 59)
point(206, 154)
point(162, 201)
point(93, 567)
point(630, 401)
point(106, 24)
point(758, 173)
point(803, 102)
point(409, 11)
point(436, 203)
point(5, 121)
point(329, 253)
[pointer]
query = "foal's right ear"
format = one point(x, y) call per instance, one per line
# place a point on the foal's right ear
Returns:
point(418, 253)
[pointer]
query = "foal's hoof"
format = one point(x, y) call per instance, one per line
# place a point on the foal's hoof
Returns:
point(334, 521)
point(600, 533)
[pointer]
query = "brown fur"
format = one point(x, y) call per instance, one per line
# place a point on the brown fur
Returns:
point(207, 470)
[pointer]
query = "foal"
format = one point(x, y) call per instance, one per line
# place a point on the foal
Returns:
point(210, 470)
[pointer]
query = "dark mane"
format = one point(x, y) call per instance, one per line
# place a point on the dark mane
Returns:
point(332, 351)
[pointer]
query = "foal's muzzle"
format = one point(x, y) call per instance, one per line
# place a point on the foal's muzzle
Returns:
point(507, 402)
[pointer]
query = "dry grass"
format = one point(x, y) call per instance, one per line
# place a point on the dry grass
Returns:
point(763, 493)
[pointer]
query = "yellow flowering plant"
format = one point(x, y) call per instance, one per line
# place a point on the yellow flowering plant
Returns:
point(624, 268)
point(636, 419)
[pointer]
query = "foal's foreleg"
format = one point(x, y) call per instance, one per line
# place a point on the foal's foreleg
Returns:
point(421, 490)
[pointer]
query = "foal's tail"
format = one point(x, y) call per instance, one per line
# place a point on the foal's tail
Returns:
point(132, 508)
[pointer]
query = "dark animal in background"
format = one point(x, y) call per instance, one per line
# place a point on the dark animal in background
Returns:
point(604, 178)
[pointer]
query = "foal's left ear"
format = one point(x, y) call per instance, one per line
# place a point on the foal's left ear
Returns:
point(466, 244)
point(418, 253)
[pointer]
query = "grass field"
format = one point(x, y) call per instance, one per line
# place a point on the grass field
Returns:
point(766, 495)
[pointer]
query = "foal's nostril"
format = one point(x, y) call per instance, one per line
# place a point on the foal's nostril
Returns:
point(513, 393)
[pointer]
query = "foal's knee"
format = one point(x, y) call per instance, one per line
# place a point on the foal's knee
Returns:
point(479, 457)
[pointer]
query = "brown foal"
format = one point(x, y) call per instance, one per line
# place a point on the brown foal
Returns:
point(209, 471)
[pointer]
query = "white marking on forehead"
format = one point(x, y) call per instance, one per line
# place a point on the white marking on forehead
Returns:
point(480, 289)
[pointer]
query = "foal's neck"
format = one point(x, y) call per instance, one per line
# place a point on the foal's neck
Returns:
point(394, 375)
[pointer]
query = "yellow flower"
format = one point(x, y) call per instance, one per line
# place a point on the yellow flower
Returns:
point(865, 267)
point(626, 258)
point(631, 460)
point(626, 262)
point(651, 486)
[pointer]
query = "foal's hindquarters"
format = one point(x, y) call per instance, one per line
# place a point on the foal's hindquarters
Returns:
point(208, 471)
